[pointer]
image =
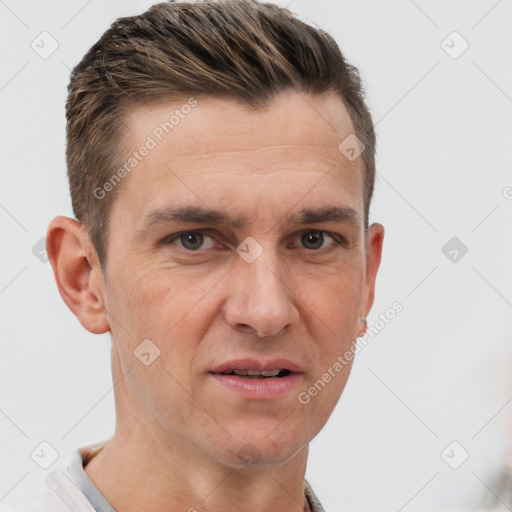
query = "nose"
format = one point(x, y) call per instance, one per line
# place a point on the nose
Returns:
point(261, 301)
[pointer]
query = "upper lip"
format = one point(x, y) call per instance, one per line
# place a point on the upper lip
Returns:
point(257, 365)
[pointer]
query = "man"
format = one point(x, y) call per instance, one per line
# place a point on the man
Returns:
point(221, 168)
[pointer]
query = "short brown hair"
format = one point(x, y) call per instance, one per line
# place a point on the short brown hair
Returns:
point(237, 49)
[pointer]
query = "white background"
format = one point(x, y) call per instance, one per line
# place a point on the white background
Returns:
point(439, 372)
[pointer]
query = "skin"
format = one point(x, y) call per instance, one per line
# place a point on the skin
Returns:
point(180, 437)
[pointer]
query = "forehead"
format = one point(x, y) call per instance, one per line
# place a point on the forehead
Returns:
point(207, 124)
point(210, 150)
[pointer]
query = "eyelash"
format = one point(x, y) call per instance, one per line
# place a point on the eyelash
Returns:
point(337, 239)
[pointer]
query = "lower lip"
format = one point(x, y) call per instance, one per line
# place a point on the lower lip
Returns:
point(260, 389)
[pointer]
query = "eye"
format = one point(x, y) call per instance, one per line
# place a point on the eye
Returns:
point(314, 240)
point(190, 240)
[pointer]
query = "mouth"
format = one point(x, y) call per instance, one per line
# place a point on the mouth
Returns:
point(251, 374)
point(252, 379)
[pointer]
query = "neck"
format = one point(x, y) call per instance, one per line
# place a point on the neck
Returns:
point(136, 471)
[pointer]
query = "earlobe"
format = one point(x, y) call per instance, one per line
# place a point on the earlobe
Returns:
point(375, 239)
point(74, 265)
point(362, 332)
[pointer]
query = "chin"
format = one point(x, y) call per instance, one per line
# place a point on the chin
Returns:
point(251, 449)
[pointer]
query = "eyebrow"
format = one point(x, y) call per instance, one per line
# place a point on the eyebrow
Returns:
point(203, 215)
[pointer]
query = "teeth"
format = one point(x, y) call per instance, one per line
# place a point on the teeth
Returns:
point(255, 373)
point(271, 373)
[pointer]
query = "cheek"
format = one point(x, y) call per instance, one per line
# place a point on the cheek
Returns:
point(147, 301)
point(172, 313)
point(336, 300)
point(146, 307)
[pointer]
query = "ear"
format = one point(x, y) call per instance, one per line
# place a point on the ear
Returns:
point(77, 272)
point(373, 247)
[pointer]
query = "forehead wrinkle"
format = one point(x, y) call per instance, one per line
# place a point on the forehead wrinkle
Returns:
point(313, 149)
point(321, 163)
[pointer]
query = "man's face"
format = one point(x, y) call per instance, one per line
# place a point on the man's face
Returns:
point(203, 303)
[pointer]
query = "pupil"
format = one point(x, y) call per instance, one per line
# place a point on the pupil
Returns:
point(192, 237)
point(308, 237)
